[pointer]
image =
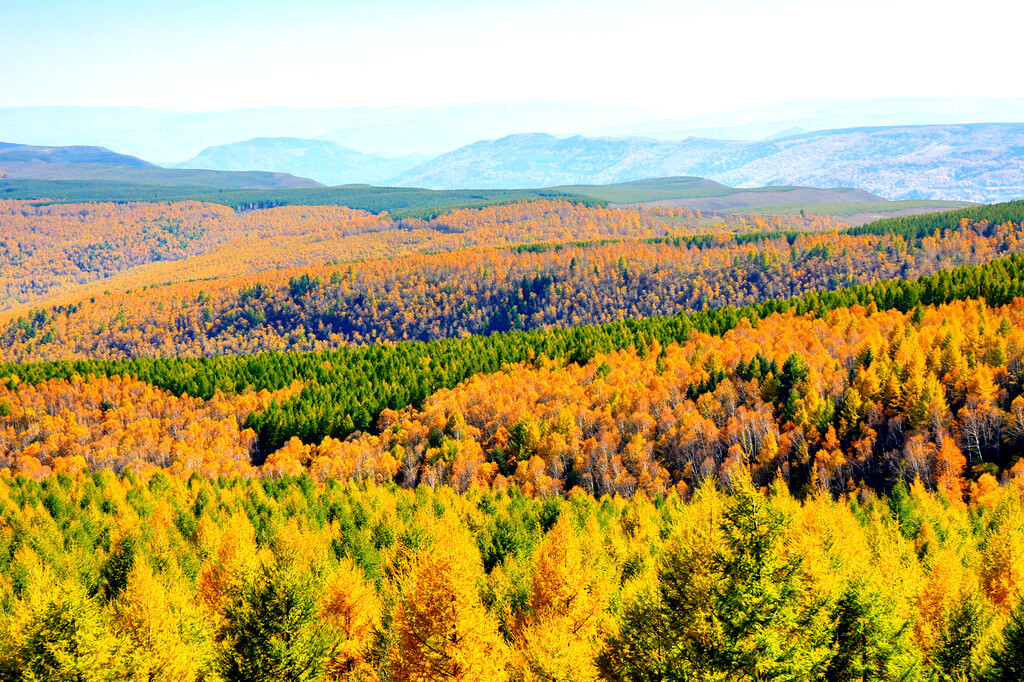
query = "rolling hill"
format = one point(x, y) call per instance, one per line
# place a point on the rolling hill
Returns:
point(704, 194)
point(322, 160)
point(976, 162)
point(854, 206)
point(84, 163)
point(398, 201)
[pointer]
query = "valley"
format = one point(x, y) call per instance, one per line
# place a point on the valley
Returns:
point(511, 342)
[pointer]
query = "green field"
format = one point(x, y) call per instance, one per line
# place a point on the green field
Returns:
point(658, 189)
point(683, 187)
point(425, 203)
point(841, 210)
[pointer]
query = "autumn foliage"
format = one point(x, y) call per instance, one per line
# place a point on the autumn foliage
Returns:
point(537, 441)
point(172, 578)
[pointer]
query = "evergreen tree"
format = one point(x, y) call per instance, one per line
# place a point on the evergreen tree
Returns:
point(71, 641)
point(731, 611)
point(956, 657)
point(1007, 662)
point(769, 629)
point(272, 629)
point(866, 643)
point(442, 630)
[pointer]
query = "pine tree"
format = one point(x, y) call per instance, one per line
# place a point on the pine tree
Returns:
point(155, 631)
point(272, 629)
point(866, 643)
point(768, 628)
point(956, 655)
point(731, 609)
point(71, 641)
point(352, 608)
point(1007, 661)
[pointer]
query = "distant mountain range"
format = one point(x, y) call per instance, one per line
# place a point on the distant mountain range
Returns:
point(794, 118)
point(322, 160)
point(169, 136)
point(28, 162)
point(975, 162)
point(979, 162)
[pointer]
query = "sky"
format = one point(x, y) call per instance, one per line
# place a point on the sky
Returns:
point(677, 57)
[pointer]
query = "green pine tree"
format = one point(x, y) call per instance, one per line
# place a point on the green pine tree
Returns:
point(1007, 661)
point(272, 629)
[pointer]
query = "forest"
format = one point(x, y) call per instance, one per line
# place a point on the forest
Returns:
point(468, 272)
point(162, 577)
point(531, 441)
point(403, 201)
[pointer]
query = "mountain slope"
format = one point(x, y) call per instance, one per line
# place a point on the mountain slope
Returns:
point(322, 160)
point(686, 192)
point(28, 162)
point(788, 118)
point(976, 162)
point(23, 153)
point(539, 159)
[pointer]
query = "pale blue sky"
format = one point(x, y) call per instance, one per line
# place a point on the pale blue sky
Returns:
point(681, 57)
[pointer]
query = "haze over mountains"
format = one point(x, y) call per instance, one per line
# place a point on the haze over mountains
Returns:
point(977, 162)
point(169, 136)
point(28, 162)
point(790, 118)
point(939, 148)
point(328, 162)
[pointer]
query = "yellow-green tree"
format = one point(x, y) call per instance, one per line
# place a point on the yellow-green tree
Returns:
point(557, 639)
point(442, 630)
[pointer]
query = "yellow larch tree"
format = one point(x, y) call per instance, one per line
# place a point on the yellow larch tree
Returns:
point(351, 607)
point(442, 631)
point(556, 641)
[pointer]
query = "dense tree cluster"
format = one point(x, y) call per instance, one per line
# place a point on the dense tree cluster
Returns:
point(810, 471)
point(158, 577)
point(917, 227)
point(46, 247)
point(346, 389)
point(855, 399)
point(46, 250)
point(836, 403)
point(117, 423)
point(484, 290)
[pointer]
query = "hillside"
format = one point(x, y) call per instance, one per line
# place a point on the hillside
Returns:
point(79, 163)
point(205, 280)
point(398, 201)
point(977, 162)
point(569, 437)
point(707, 195)
point(11, 153)
point(322, 160)
point(853, 206)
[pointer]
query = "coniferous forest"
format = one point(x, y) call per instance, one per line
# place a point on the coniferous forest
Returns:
point(534, 440)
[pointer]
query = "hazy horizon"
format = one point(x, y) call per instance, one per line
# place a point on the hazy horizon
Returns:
point(674, 59)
